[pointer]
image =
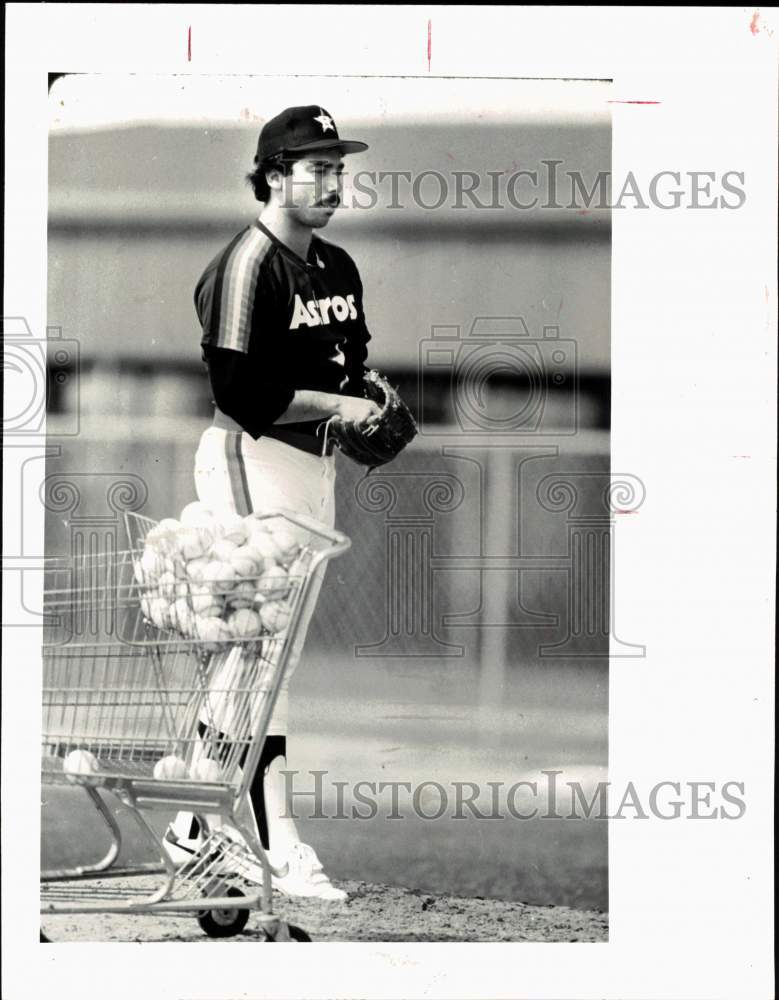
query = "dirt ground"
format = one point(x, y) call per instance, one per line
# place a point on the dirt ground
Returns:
point(372, 913)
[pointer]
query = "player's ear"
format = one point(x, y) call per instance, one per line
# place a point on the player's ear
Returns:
point(274, 177)
point(279, 178)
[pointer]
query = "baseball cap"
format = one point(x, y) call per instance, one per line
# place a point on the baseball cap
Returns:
point(303, 130)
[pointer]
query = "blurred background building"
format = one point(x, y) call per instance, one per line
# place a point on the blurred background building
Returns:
point(465, 635)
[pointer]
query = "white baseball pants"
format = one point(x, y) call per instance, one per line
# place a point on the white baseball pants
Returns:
point(233, 470)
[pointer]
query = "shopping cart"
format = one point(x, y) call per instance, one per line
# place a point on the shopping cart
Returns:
point(143, 702)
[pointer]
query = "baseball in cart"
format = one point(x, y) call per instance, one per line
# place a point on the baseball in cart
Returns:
point(161, 667)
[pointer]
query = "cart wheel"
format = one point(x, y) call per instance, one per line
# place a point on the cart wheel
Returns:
point(295, 934)
point(224, 923)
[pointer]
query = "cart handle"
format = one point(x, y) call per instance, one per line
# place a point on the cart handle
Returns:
point(339, 541)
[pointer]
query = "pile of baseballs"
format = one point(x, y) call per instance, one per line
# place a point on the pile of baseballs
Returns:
point(219, 577)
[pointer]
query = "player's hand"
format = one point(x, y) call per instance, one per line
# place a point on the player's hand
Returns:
point(355, 410)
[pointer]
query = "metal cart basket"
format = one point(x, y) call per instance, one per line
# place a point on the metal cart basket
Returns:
point(164, 703)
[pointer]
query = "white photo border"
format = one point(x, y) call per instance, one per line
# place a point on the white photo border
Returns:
point(693, 414)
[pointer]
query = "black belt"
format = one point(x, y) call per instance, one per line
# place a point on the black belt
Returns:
point(311, 443)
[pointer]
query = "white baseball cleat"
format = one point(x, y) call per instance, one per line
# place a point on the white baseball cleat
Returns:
point(180, 849)
point(306, 878)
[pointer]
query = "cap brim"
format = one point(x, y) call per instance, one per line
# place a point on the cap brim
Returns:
point(342, 145)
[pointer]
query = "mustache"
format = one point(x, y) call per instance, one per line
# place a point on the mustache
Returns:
point(332, 202)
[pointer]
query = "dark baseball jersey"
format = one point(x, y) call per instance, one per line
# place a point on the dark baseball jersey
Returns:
point(273, 323)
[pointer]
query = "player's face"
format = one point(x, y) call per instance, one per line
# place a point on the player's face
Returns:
point(312, 191)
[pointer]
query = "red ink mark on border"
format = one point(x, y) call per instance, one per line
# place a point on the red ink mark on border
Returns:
point(189, 44)
point(620, 510)
point(429, 43)
point(633, 102)
point(754, 27)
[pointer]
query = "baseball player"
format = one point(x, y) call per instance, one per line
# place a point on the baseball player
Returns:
point(285, 341)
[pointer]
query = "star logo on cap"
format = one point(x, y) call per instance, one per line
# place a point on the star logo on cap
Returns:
point(325, 121)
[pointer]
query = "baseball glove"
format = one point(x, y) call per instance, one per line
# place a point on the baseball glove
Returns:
point(383, 439)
